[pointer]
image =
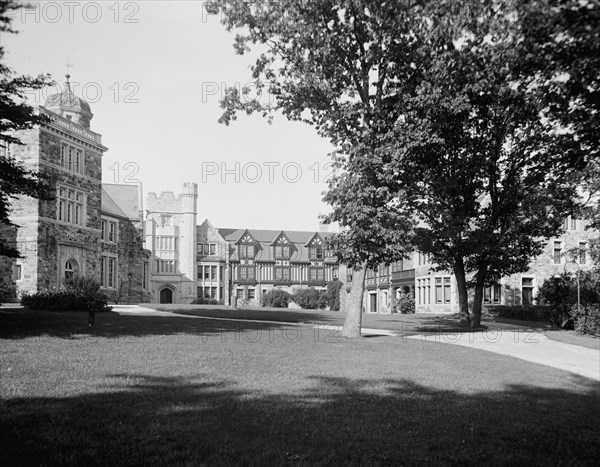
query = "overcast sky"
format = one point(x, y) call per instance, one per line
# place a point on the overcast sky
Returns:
point(153, 73)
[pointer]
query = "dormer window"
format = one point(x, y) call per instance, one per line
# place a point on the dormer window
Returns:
point(282, 252)
point(246, 249)
point(315, 253)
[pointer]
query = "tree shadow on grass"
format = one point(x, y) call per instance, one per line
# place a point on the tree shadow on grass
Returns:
point(147, 420)
point(21, 324)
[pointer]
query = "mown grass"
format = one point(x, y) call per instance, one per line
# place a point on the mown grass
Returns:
point(148, 390)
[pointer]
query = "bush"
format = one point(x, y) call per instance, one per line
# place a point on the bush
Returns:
point(6, 291)
point(310, 299)
point(333, 294)
point(207, 301)
point(526, 313)
point(560, 294)
point(276, 298)
point(405, 304)
point(81, 294)
point(586, 320)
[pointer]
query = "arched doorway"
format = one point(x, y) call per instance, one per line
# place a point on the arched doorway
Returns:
point(166, 295)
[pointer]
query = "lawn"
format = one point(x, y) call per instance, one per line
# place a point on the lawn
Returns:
point(147, 390)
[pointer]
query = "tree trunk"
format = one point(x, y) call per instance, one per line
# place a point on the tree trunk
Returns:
point(354, 305)
point(463, 297)
point(478, 300)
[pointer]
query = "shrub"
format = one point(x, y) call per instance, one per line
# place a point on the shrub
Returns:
point(586, 320)
point(6, 291)
point(333, 294)
point(559, 293)
point(526, 313)
point(206, 301)
point(81, 294)
point(276, 298)
point(405, 304)
point(310, 299)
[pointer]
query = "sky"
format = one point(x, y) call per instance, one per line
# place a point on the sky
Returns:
point(153, 73)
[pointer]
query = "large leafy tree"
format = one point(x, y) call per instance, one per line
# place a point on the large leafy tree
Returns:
point(15, 114)
point(465, 120)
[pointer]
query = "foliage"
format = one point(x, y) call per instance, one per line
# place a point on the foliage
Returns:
point(310, 299)
point(333, 294)
point(526, 313)
point(276, 298)
point(6, 291)
point(559, 292)
point(586, 320)
point(81, 294)
point(405, 304)
point(207, 301)
point(444, 116)
point(15, 178)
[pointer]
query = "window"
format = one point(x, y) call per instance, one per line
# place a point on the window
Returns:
point(251, 294)
point(423, 259)
point(527, 290)
point(315, 253)
point(283, 252)
point(206, 292)
point(566, 223)
point(221, 273)
point(17, 272)
point(557, 252)
point(397, 266)
point(206, 249)
point(582, 253)
point(491, 294)
point(70, 206)
point(102, 230)
point(384, 271)
point(71, 158)
point(145, 276)
point(573, 223)
point(442, 290)
point(206, 272)
point(212, 248)
point(213, 273)
point(246, 273)
point(349, 275)
point(5, 149)
point(166, 243)
point(108, 272)
point(424, 291)
point(239, 293)
point(282, 273)
point(246, 251)
point(166, 266)
point(112, 234)
point(316, 274)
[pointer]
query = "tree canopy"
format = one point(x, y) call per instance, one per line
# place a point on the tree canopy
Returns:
point(461, 127)
point(15, 115)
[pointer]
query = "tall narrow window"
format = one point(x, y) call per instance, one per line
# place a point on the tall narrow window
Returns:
point(557, 252)
point(527, 290)
point(573, 223)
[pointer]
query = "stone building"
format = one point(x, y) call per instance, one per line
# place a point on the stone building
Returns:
point(170, 235)
point(68, 235)
point(436, 291)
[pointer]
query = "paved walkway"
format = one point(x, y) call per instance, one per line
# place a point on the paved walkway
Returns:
point(530, 346)
point(512, 340)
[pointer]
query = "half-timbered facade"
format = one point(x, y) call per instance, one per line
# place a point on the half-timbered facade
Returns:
point(247, 263)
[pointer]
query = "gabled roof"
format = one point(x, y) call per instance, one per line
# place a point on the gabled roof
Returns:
point(279, 236)
point(316, 235)
point(265, 239)
point(121, 200)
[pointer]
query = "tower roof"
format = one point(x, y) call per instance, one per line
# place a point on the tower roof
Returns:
point(67, 104)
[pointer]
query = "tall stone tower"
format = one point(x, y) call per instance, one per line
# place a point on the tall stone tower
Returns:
point(58, 238)
point(170, 228)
